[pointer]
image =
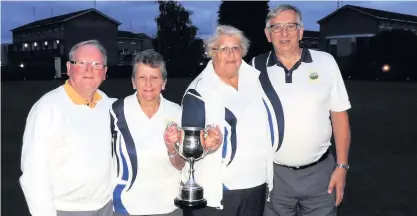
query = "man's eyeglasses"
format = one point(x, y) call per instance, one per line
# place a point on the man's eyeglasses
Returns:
point(228, 49)
point(83, 64)
point(288, 26)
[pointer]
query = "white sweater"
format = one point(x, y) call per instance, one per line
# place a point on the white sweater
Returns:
point(66, 155)
point(245, 158)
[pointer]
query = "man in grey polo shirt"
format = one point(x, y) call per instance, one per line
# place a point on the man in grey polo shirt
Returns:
point(308, 98)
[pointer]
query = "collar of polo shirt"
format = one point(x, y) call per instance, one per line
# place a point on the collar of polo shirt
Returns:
point(305, 57)
point(77, 99)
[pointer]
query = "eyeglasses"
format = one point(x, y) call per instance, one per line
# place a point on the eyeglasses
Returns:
point(83, 64)
point(288, 26)
point(228, 49)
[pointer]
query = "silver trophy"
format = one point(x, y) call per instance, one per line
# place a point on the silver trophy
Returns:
point(191, 149)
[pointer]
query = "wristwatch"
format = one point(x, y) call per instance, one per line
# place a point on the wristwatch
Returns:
point(343, 166)
point(172, 155)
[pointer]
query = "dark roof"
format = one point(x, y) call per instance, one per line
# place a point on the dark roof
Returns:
point(311, 34)
point(62, 18)
point(378, 14)
point(143, 35)
point(128, 34)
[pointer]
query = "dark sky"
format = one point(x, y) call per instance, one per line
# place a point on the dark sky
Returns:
point(139, 16)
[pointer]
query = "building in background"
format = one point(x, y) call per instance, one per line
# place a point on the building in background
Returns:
point(349, 29)
point(311, 39)
point(130, 43)
point(46, 42)
point(5, 54)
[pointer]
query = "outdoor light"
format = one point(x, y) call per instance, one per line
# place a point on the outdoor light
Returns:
point(26, 45)
point(36, 44)
point(386, 68)
point(46, 42)
point(22, 65)
point(57, 41)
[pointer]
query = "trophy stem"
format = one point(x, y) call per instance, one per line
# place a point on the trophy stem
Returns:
point(191, 171)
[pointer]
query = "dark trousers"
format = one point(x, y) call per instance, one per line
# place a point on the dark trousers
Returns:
point(245, 202)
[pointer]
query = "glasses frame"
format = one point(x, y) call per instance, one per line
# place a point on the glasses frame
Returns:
point(95, 65)
point(283, 26)
point(227, 49)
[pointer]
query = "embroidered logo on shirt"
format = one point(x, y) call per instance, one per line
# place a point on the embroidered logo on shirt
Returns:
point(314, 75)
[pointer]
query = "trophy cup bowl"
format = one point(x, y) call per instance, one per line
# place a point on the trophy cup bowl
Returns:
point(191, 149)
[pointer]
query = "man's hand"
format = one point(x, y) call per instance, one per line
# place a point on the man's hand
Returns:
point(213, 140)
point(337, 181)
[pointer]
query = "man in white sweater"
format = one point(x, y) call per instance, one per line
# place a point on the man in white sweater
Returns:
point(66, 154)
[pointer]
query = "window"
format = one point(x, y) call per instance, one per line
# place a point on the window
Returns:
point(353, 47)
point(45, 45)
point(332, 43)
point(35, 46)
point(25, 47)
point(56, 43)
point(381, 24)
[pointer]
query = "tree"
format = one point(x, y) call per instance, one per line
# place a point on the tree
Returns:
point(176, 39)
point(396, 48)
point(249, 17)
point(389, 55)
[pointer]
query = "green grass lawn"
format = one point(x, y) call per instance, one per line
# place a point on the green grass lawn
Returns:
point(382, 179)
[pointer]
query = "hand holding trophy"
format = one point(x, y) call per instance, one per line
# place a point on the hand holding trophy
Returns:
point(171, 136)
point(212, 138)
point(195, 144)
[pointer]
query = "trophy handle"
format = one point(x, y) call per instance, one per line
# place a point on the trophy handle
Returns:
point(205, 135)
point(177, 144)
point(204, 154)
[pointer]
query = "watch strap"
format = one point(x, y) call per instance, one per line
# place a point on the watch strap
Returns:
point(343, 166)
point(172, 155)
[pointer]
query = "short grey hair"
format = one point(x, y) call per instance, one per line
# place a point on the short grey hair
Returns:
point(276, 11)
point(228, 31)
point(152, 59)
point(95, 43)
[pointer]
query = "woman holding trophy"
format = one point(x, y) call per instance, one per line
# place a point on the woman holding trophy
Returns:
point(148, 170)
point(236, 171)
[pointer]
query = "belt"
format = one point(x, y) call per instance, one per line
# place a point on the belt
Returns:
point(322, 158)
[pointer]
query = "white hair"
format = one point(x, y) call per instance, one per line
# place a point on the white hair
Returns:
point(276, 11)
point(95, 43)
point(228, 30)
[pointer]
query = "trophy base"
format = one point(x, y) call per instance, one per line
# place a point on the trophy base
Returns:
point(190, 204)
